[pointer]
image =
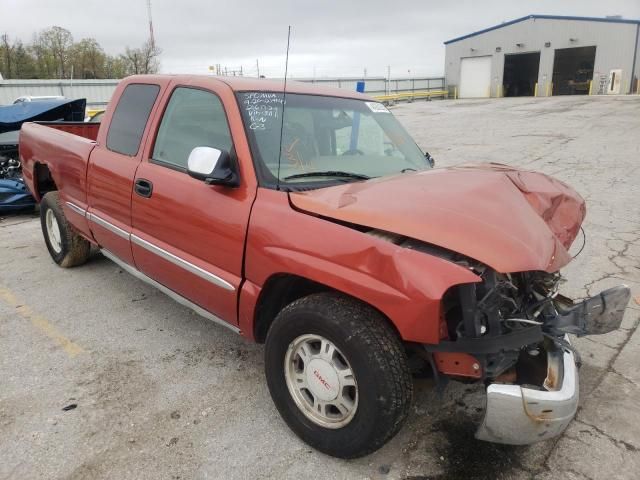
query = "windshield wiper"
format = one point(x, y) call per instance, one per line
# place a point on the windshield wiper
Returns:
point(329, 173)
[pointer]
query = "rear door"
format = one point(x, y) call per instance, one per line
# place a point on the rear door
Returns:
point(112, 167)
point(187, 235)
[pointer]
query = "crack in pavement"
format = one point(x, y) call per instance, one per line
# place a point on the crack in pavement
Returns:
point(626, 445)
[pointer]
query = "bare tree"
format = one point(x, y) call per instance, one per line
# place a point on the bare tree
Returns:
point(115, 67)
point(6, 55)
point(53, 54)
point(59, 42)
point(45, 64)
point(23, 63)
point(142, 60)
point(88, 59)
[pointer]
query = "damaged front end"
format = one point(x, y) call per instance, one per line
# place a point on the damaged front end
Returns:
point(514, 329)
point(509, 329)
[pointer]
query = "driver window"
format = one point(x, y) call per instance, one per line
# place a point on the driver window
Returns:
point(193, 118)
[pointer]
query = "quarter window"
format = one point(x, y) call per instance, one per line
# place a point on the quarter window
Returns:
point(193, 118)
point(130, 118)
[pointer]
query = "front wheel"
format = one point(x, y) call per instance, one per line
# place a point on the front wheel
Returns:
point(338, 374)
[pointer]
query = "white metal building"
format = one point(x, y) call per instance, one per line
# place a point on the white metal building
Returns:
point(546, 55)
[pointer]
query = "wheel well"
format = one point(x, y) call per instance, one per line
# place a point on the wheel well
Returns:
point(278, 292)
point(282, 289)
point(43, 181)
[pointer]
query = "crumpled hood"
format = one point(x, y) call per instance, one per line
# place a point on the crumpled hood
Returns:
point(512, 220)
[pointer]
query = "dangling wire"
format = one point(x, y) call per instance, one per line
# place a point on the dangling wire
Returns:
point(584, 242)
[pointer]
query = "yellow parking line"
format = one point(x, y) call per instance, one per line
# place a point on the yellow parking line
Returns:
point(70, 348)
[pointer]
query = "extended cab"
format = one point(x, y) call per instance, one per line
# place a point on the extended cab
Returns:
point(311, 221)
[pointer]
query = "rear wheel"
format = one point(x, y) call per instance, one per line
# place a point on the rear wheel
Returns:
point(65, 246)
point(338, 374)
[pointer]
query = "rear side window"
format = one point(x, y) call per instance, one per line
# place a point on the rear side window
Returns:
point(130, 118)
point(193, 118)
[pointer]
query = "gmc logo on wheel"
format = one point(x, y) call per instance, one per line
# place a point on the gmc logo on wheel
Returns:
point(322, 380)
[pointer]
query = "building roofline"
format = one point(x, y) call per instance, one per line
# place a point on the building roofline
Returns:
point(547, 17)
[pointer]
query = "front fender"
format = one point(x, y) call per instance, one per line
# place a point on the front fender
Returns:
point(406, 285)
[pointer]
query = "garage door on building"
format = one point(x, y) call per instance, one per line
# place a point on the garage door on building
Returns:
point(475, 77)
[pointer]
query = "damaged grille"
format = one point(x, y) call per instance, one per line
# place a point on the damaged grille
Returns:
point(500, 316)
point(497, 318)
point(501, 321)
point(501, 303)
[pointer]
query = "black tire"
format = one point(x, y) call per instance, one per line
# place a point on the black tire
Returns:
point(74, 250)
point(378, 360)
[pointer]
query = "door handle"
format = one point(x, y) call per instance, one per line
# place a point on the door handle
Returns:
point(143, 187)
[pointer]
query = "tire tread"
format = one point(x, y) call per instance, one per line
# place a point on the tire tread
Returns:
point(78, 248)
point(385, 352)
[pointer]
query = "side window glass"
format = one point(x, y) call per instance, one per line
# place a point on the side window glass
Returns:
point(130, 118)
point(193, 118)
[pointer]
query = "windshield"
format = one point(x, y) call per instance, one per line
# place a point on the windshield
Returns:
point(325, 140)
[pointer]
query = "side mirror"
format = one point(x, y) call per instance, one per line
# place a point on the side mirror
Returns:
point(213, 166)
point(429, 159)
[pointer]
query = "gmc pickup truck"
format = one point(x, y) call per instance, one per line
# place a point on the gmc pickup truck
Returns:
point(309, 220)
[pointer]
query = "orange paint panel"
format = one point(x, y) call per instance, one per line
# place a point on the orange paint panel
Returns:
point(404, 284)
point(457, 364)
point(509, 219)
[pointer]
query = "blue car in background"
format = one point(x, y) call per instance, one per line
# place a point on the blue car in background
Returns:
point(14, 195)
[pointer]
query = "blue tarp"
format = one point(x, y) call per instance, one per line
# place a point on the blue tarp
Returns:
point(14, 195)
point(13, 116)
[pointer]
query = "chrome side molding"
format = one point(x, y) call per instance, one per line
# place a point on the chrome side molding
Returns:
point(190, 267)
point(79, 210)
point(170, 257)
point(170, 293)
point(108, 225)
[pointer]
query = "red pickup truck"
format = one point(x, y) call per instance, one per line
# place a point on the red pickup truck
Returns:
point(309, 220)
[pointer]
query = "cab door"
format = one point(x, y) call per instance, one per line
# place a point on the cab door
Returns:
point(187, 235)
point(112, 167)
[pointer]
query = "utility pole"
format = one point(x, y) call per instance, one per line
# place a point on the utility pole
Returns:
point(365, 72)
point(151, 37)
point(258, 67)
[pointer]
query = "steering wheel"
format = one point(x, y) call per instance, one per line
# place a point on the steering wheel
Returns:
point(352, 151)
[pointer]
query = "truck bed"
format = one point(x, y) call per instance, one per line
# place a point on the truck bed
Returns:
point(64, 147)
point(82, 129)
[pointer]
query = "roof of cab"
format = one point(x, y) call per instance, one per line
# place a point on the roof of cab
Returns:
point(245, 84)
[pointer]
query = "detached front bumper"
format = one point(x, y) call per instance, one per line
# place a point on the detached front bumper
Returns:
point(519, 415)
point(522, 414)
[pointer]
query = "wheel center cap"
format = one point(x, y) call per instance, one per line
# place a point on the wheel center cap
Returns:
point(322, 379)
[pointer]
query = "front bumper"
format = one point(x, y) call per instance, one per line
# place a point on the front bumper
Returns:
point(600, 314)
point(519, 414)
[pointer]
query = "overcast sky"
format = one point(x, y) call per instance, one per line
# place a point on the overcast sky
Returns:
point(329, 37)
